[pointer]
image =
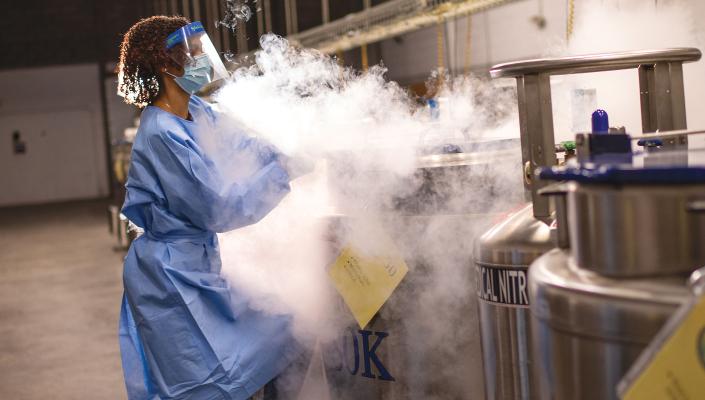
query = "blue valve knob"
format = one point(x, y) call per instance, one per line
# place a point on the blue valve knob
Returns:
point(451, 149)
point(650, 142)
point(600, 122)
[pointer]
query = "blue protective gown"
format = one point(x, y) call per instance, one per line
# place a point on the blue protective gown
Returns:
point(184, 334)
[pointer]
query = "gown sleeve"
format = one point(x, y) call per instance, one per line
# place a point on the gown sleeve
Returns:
point(195, 190)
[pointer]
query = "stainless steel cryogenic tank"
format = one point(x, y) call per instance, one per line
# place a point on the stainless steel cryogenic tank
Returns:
point(589, 329)
point(418, 345)
point(636, 230)
point(505, 328)
point(593, 316)
point(502, 258)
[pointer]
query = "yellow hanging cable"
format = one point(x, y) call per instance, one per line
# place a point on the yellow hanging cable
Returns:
point(468, 45)
point(571, 20)
point(363, 54)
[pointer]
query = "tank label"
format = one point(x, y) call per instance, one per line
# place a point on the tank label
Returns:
point(502, 285)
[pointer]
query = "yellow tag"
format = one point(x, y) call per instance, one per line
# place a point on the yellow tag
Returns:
point(677, 370)
point(366, 282)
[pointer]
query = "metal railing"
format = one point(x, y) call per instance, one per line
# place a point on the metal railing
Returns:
point(661, 94)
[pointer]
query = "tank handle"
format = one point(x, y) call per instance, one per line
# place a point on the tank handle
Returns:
point(558, 192)
point(661, 95)
point(696, 206)
point(697, 282)
point(595, 62)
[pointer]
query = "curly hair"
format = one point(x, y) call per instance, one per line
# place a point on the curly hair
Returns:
point(142, 54)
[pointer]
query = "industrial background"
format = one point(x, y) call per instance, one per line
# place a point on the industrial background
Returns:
point(63, 153)
point(72, 41)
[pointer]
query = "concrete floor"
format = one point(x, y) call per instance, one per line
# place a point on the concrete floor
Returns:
point(60, 292)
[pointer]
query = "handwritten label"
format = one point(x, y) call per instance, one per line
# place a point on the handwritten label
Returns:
point(366, 282)
point(673, 366)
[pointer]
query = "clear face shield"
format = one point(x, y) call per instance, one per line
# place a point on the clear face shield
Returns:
point(191, 48)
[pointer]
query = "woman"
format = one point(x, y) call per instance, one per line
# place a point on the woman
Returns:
point(183, 333)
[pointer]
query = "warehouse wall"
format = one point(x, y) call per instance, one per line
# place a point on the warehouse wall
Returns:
point(120, 115)
point(510, 32)
point(50, 32)
point(50, 95)
point(497, 35)
point(56, 112)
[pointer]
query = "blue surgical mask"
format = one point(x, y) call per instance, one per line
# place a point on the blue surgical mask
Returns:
point(196, 75)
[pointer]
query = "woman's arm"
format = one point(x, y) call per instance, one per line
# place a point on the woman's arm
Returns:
point(196, 190)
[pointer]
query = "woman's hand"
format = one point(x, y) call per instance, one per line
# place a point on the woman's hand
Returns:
point(297, 165)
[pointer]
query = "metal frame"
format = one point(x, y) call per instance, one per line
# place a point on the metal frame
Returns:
point(596, 62)
point(386, 20)
point(536, 128)
point(661, 95)
point(241, 38)
point(260, 22)
point(268, 15)
point(325, 11)
point(287, 17)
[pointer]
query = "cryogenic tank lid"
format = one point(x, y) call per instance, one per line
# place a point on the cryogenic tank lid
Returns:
point(626, 174)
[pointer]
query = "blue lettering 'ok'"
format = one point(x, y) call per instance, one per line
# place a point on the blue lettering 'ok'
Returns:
point(370, 356)
point(356, 354)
